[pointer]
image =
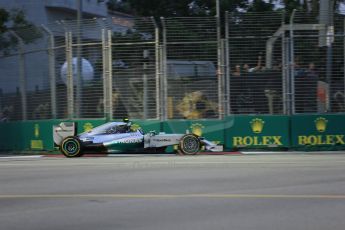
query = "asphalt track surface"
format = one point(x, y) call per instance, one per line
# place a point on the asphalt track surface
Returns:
point(239, 192)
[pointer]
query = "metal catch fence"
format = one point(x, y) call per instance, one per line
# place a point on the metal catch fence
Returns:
point(254, 49)
point(135, 88)
point(318, 65)
point(189, 52)
point(174, 68)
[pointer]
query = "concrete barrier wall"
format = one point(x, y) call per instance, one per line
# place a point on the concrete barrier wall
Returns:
point(304, 132)
point(38, 135)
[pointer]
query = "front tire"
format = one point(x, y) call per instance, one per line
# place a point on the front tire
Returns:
point(71, 147)
point(189, 144)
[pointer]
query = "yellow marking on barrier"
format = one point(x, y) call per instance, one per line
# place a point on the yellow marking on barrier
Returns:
point(37, 144)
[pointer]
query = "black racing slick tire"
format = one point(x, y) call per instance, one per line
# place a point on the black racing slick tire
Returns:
point(189, 144)
point(71, 147)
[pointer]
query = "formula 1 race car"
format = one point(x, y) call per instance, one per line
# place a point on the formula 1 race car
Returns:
point(121, 137)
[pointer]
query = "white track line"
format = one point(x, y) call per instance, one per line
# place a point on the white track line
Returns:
point(21, 157)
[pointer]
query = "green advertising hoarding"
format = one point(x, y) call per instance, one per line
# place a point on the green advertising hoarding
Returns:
point(257, 132)
point(87, 125)
point(11, 136)
point(38, 135)
point(315, 132)
point(147, 125)
point(26, 135)
point(318, 131)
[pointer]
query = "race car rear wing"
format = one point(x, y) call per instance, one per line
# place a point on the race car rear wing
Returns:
point(63, 130)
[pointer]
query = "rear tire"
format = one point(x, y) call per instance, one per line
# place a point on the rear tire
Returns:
point(189, 144)
point(71, 147)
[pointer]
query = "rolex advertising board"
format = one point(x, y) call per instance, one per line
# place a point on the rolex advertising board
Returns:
point(257, 132)
point(318, 131)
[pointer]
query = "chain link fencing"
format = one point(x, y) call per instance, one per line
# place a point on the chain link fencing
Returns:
point(135, 88)
point(80, 70)
point(254, 42)
point(190, 59)
point(24, 91)
point(318, 65)
point(174, 68)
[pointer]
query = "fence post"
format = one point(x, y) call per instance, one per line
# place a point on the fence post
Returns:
point(344, 60)
point(70, 93)
point(292, 67)
point(109, 105)
point(79, 67)
point(157, 69)
point(164, 85)
point(161, 83)
point(286, 76)
point(220, 72)
point(104, 69)
point(284, 69)
point(222, 79)
point(227, 65)
point(22, 77)
point(107, 74)
point(145, 85)
point(52, 76)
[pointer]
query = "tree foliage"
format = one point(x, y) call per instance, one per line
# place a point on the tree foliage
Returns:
point(14, 21)
point(168, 8)
point(171, 8)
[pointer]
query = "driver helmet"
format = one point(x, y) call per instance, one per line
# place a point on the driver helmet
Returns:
point(128, 123)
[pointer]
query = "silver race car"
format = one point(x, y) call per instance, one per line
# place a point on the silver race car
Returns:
point(122, 137)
